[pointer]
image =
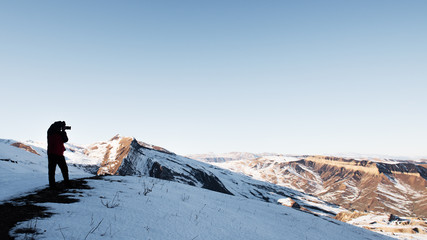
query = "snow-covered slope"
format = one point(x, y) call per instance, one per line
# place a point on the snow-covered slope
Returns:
point(120, 207)
point(23, 167)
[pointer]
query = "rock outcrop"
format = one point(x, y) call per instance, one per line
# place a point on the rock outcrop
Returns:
point(25, 147)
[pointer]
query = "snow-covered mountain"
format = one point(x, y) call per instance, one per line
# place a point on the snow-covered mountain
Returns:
point(23, 168)
point(225, 157)
point(398, 188)
point(127, 156)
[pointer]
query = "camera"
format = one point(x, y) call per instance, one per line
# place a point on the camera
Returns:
point(64, 126)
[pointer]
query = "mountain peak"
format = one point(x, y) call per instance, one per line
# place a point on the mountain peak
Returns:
point(116, 137)
point(115, 150)
point(120, 138)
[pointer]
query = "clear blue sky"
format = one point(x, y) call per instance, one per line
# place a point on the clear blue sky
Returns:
point(293, 77)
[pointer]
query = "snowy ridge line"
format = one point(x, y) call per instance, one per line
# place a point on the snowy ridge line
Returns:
point(234, 156)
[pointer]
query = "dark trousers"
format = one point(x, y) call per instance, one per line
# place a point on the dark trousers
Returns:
point(60, 161)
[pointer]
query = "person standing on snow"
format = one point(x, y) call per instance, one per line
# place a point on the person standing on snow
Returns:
point(56, 137)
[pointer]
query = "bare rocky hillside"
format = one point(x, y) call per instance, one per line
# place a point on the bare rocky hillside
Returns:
point(396, 188)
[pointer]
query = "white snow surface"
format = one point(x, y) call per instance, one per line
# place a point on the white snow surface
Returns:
point(177, 211)
point(22, 171)
point(171, 211)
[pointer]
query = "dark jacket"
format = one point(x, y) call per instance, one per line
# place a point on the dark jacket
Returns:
point(56, 137)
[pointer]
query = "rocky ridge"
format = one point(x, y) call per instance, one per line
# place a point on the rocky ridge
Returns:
point(395, 188)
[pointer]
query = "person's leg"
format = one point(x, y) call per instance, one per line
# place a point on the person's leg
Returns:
point(51, 170)
point(64, 169)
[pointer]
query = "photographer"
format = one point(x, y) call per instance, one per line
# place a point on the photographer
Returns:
point(56, 137)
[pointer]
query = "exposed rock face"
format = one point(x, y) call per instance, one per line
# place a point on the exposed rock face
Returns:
point(25, 147)
point(347, 216)
point(112, 161)
point(361, 185)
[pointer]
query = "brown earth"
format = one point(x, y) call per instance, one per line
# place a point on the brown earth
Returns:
point(25, 147)
point(348, 216)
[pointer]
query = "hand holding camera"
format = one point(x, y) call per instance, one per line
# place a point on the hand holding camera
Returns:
point(64, 126)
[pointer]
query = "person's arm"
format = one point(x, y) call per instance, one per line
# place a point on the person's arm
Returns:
point(64, 136)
